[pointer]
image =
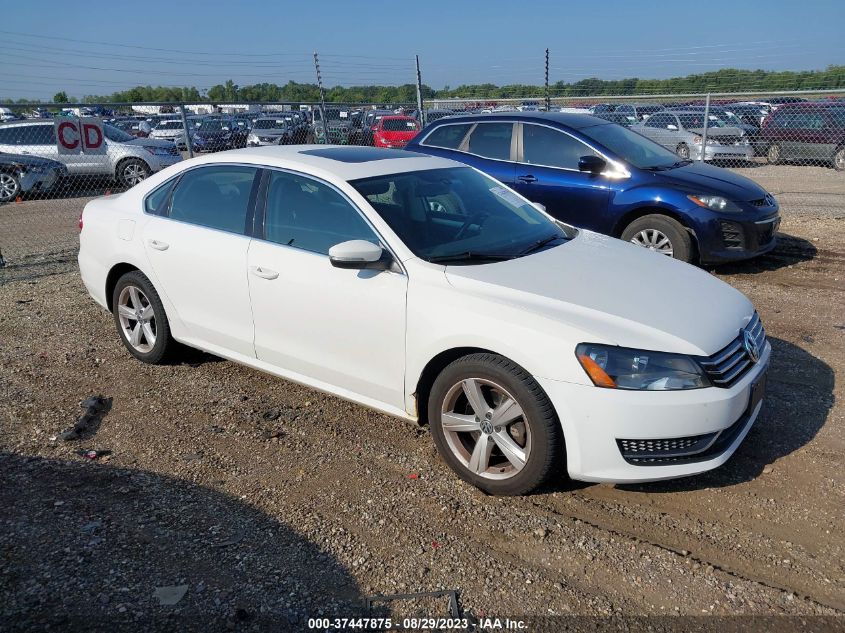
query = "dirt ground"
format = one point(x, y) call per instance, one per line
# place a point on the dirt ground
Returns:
point(269, 503)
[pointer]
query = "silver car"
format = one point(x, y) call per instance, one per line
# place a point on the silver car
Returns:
point(171, 130)
point(275, 130)
point(127, 159)
point(683, 132)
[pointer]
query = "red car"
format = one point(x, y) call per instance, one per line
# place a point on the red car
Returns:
point(395, 131)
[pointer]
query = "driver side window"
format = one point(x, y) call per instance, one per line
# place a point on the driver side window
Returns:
point(551, 148)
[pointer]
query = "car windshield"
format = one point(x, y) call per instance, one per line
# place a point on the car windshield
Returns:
point(695, 121)
point(213, 125)
point(631, 147)
point(399, 125)
point(458, 215)
point(118, 136)
point(269, 124)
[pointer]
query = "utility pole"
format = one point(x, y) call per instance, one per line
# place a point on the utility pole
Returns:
point(322, 102)
point(419, 92)
point(548, 98)
point(706, 121)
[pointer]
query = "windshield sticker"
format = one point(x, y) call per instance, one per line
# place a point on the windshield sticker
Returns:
point(508, 196)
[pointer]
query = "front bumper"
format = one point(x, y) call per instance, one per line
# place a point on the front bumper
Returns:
point(43, 181)
point(594, 419)
point(158, 162)
point(724, 152)
point(725, 238)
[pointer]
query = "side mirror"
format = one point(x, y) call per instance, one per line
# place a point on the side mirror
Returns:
point(672, 127)
point(539, 206)
point(592, 164)
point(358, 254)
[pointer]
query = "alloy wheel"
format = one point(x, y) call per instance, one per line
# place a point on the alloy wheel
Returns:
point(654, 240)
point(137, 319)
point(839, 160)
point(8, 187)
point(486, 428)
point(134, 173)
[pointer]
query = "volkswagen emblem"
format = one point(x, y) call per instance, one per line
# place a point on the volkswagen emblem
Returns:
point(750, 345)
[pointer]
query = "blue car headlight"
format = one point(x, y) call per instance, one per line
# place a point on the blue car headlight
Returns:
point(639, 370)
point(715, 203)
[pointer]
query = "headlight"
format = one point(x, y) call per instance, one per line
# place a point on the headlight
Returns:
point(710, 141)
point(252, 138)
point(622, 368)
point(716, 203)
point(157, 151)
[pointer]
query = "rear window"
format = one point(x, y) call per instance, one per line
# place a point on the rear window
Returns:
point(448, 136)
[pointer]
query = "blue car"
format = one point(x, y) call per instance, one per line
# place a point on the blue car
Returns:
point(604, 177)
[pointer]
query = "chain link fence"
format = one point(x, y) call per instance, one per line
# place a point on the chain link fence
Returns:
point(55, 157)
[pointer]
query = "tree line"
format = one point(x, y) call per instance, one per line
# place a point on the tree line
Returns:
point(724, 80)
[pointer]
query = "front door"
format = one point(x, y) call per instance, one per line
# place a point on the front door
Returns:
point(342, 328)
point(548, 173)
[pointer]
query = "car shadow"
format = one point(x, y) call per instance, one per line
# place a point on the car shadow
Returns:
point(790, 250)
point(86, 546)
point(799, 398)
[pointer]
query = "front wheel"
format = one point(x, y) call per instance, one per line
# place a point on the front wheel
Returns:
point(839, 159)
point(140, 318)
point(661, 234)
point(773, 154)
point(494, 426)
point(132, 171)
point(10, 187)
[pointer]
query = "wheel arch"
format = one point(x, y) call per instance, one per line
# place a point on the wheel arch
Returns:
point(124, 159)
point(116, 272)
point(636, 214)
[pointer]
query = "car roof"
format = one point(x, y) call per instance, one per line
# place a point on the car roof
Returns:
point(343, 162)
point(575, 121)
point(803, 105)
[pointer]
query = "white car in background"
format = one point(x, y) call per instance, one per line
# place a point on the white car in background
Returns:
point(170, 130)
point(427, 290)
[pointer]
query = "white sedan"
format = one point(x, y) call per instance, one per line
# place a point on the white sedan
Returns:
point(425, 289)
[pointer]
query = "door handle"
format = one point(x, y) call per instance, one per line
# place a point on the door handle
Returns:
point(264, 273)
point(159, 246)
point(527, 178)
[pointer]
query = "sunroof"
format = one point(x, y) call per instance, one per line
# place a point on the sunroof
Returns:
point(357, 154)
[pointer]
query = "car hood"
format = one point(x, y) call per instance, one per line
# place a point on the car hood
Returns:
point(700, 178)
point(31, 161)
point(268, 132)
point(617, 293)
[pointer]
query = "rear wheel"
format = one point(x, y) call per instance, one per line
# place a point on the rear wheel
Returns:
point(140, 319)
point(773, 154)
point(494, 426)
point(661, 234)
point(10, 187)
point(682, 151)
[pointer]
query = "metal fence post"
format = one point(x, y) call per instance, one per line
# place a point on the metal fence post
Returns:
point(419, 92)
point(322, 104)
point(185, 128)
point(548, 98)
point(706, 121)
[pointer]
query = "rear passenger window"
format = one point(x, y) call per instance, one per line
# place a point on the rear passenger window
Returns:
point(307, 214)
point(491, 140)
point(544, 146)
point(216, 197)
point(37, 135)
point(447, 136)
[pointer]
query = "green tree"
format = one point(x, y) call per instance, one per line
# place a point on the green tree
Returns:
point(60, 97)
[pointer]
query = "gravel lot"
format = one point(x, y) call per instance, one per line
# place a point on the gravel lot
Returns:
point(269, 503)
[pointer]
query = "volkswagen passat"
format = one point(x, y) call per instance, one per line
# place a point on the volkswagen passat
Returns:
point(425, 289)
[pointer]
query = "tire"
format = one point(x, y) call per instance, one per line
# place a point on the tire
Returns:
point(650, 231)
point(839, 159)
point(133, 295)
point(10, 187)
point(773, 154)
point(132, 171)
point(531, 434)
point(682, 150)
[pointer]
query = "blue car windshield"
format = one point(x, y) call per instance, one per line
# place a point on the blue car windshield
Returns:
point(631, 147)
point(458, 215)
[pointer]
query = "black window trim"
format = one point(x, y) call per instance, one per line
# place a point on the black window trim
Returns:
point(249, 222)
point(261, 214)
point(464, 144)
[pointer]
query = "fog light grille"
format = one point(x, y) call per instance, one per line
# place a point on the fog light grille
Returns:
point(732, 235)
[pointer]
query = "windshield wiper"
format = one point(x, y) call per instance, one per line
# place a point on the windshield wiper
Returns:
point(468, 256)
point(676, 164)
point(536, 246)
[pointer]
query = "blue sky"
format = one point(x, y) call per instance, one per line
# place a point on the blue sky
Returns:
point(365, 41)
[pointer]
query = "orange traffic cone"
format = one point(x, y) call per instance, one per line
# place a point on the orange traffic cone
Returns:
point(18, 200)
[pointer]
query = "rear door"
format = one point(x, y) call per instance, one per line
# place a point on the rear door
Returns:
point(197, 245)
point(492, 149)
point(548, 173)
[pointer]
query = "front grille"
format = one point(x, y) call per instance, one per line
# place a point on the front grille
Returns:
point(765, 233)
point(173, 150)
point(768, 201)
point(732, 235)
point(728, 365)
point(640, 450)
point(727, 140)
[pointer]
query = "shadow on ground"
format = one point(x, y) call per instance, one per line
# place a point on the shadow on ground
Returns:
point(84, 546)
point(790, 250)
point(798, 400)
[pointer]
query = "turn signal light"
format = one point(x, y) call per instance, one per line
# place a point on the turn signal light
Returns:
point(596, 373)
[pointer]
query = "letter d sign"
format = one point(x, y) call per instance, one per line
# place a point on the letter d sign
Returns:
point(93, 141)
